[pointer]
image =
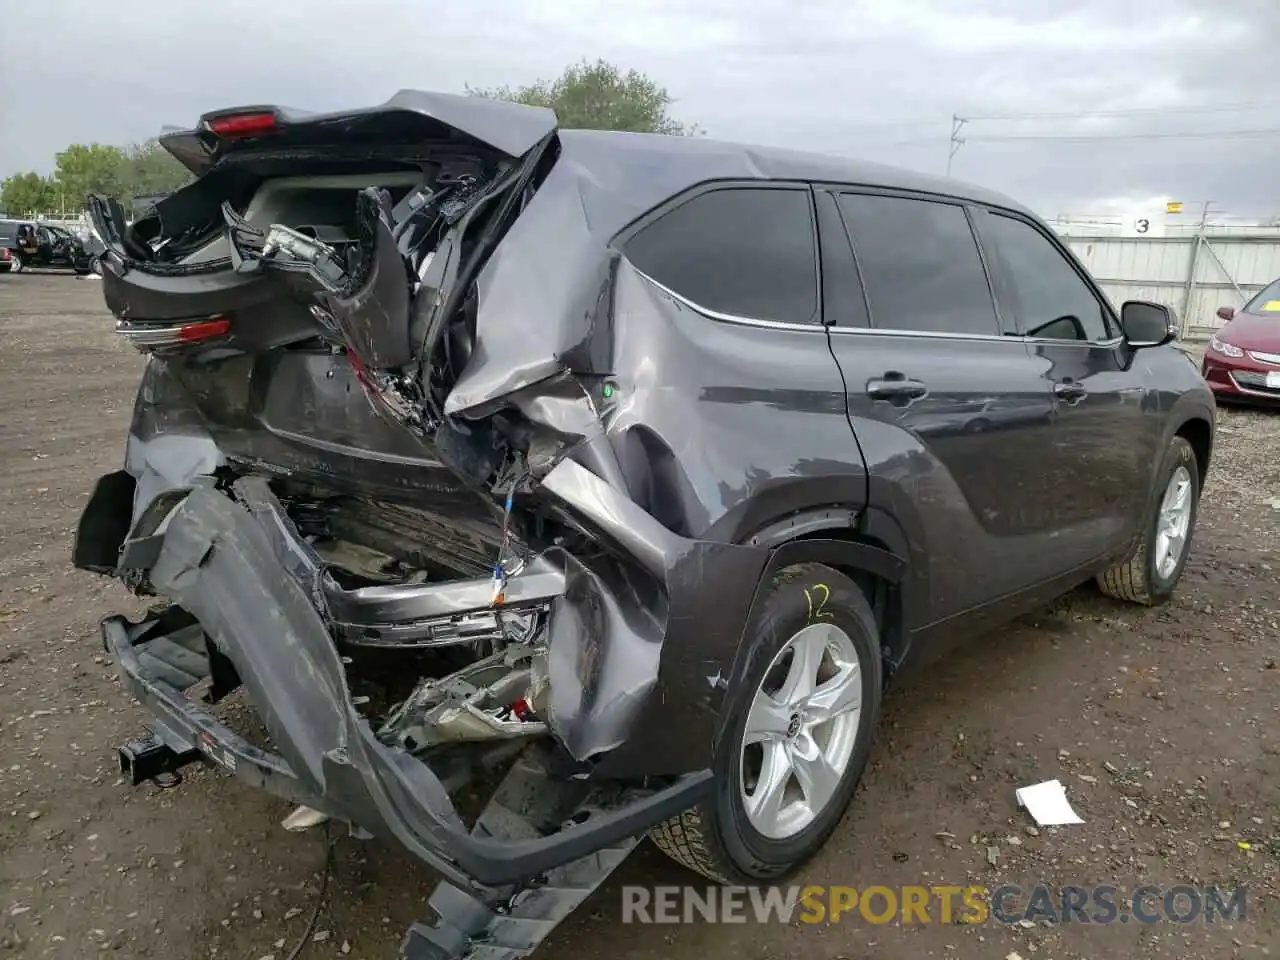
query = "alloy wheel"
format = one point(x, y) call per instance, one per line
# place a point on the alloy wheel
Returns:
point(1173, 522)
point(801, 731)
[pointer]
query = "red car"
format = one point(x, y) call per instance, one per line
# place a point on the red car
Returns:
point(1242, 361)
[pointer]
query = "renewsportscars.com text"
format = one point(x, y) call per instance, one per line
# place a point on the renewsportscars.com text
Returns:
point(942, 904)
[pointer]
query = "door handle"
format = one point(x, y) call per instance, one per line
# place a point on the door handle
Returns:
point(896, 388)
point(1069, 390)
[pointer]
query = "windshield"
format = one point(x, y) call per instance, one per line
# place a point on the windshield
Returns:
point(1267, 302)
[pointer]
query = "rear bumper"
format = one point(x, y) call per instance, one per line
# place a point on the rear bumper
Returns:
point(218, 561)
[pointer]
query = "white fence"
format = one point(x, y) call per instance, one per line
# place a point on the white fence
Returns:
point(1195, 275)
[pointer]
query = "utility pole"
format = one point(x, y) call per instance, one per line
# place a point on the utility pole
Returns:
point(956, 140)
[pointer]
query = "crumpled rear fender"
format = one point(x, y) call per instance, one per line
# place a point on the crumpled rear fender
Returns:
point(642, 644)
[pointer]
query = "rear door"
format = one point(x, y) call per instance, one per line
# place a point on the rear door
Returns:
point(951, 410)
point(1104, 423)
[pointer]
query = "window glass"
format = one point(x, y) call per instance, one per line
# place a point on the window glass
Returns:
point(843, 304)
point(920, 265)
point(741, 251)
point(1259, 303)
point(1052, 300)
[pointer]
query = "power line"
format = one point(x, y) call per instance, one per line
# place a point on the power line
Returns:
point(1187, 135)
point(897, 123)
point(935, 140)
point(1133, 112)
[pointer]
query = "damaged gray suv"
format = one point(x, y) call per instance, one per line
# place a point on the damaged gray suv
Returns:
point(625, 471)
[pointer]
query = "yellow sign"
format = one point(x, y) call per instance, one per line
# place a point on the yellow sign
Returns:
point(1173, 206)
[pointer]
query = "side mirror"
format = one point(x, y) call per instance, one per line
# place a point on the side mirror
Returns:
point(1227, 313)
point(1147, 324)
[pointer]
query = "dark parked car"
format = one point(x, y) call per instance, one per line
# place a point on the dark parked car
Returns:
point(9, 262)
point(1242, 362)
point(652, 460)
point(45, 245)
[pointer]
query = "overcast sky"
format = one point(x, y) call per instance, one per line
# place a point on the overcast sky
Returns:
point(878, 79)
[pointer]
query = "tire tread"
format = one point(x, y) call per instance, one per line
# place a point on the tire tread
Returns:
point(682, 839)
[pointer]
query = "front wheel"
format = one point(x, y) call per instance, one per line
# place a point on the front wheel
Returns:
point(1151, 572)
point(797, 735)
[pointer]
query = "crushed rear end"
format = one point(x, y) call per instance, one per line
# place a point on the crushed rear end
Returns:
point(369, 481)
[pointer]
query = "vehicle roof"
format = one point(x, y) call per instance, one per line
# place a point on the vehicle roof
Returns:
point(626, 174)
point(630, 173)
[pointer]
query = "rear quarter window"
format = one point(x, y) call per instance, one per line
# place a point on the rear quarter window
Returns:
point(743, 251)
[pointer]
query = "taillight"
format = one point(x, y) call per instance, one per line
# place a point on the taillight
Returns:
point(4, 254)
point(148, 335)
point(237, 125)
point(204, 330)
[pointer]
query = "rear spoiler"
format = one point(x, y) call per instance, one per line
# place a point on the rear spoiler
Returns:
point(410, 116)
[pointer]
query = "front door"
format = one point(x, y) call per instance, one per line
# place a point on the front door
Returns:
point(1105, 435)
point(44, 246)
point(949, 406)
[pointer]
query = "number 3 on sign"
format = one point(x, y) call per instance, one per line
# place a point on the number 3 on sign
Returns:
point(822, 593)
point(1142, 225)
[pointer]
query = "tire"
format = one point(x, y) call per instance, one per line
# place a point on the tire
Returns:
point(719, 838)
point(95, 266)
point(15, 260)
point(1140, 579)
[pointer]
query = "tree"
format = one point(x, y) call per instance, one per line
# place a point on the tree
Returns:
point(150, 169)
point(599, 96)
point(26, 194)
point(134, 171)
point(83, 169)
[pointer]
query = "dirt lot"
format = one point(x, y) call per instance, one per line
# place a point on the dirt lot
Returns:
point(1163, 724)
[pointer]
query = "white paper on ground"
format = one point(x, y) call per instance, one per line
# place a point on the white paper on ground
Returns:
point(1047, 804)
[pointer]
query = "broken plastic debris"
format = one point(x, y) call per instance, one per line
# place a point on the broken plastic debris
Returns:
point(1047, 804)
point(304, 818)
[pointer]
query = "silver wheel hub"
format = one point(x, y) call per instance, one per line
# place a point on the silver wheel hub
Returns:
point(1173, 522)
point(801, 730)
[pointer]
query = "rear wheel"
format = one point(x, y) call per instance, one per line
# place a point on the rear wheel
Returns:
point(1152, 571)
point(15, 260)
point(798, 734)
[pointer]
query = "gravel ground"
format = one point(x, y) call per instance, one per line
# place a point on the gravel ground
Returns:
point(1161, 723)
